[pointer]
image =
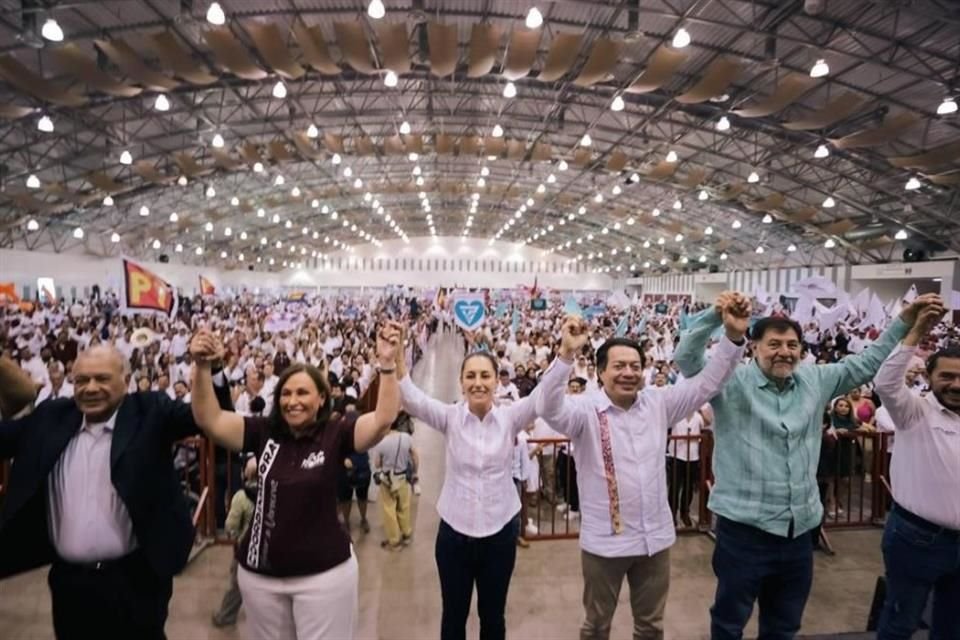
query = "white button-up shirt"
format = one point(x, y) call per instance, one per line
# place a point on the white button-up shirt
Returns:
point(638, 439)
point(88, 520)
point(925, 469)
point(478, 497)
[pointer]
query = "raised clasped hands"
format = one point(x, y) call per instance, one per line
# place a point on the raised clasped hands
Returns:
point(389, 341)
point(206, 348)
point(924, 313)
point(734, 309)
point(574, 334)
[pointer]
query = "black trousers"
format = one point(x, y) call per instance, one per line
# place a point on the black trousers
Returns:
point(463, 561)
point(123, 598)
point(567, 477)
point(682, 478)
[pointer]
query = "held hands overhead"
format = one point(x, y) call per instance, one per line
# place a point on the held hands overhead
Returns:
point(574, 334)
point(734, 308)
point(389, 343)
point(206, 348)
point(924, 313)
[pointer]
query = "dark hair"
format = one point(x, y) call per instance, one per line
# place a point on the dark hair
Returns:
point(618, 342)
point(580, 381)
point(951, 351)
point(480, 354)
point(318, 379)
point(773, 323)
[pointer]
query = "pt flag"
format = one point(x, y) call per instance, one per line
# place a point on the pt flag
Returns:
point(146, 292)
point(207, 288)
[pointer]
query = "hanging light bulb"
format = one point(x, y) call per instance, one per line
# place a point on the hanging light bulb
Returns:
point(33, 225)
point(215, 14)
point(760, 249)
point(278, 181)
point(78, 233)
point(390, 79)
point(174, 217)
point(114, 237)
point(234, 201)
point(126, 158)
point(33, 182)
point(258, 167)
point(708, 231)
point(357, 183)
point(280, 90)
point(45, 124)
point(211, 192)
point(616, 189)
point(347, 172)
point(586, 140)
point(534, 18)
point(736, 224)
point(753, 177)
point(830, 243)
point(217, 141)
point(405, 128)
point(617, 104)
point(510, 90)
point(208, 227)
point(723, 124)
point(655, 213)
point(792, 248)
point(677, 205)
point(822, 151)
point(376, 10)
point(295, 192)
point(829, 203)
point(948, 106)
point(901, 235)
point(681, 39)
point(312, 131)
point(912, 184)
point(497, 131)
point(228, 231)
point(551, 179)
point(767, 219)
point(108, 201)
point(703, 195)
point(672, 156)
point(199, 251)
point(161, 103)
point(562, 165)
point(155, 244)
point(182, 181)
point(819, 69)
point(336, 159)
point(144, 211)
point(178, 248)
point(52, 31)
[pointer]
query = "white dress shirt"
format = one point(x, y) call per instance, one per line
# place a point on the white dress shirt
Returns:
point(478, 496)
point(87, 519)
point(47, 393)
point(638, 440)
point(687, 450)
point(925, 469)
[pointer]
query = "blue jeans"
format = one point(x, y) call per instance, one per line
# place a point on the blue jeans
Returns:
point(752, 565)
point(919, 560)
point(463, 561)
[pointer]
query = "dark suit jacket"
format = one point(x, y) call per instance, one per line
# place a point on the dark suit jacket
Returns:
point(142, 472)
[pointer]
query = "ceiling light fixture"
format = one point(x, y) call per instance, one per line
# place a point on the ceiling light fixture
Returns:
point(497, 131)
point(534, 18)
point(78, 233)
point(792, 248)
point(312, 131)
point(405, 128)
point(52, 31)
point(760, 249)
point(736, 224)
point(217, 141)
point(390, 79)
point(182, 181)
point(562, 165)
point(155, 244)
point(33, 182)
point(948, 106)
point(677, 205)
point(45, 124)
point(510, 90)
point(108, 201)
point(33, 225)
point(672, 156)
point(174, 217)
point(115, 237)
point(830, 243)
point(901, 235)
point(161, 103)
point(723, 124)
point(822, 151)
point(336, 159)
point(912, 184)
point(681, 38)
point(215, 14)
point(708, 231)
point(586, 140)
point(376, 10)
point(280, 90)
point(211, 191)
point(258, 167)
point(754, 177)
point(144, 211)
point(703, 195)
point(208, 227)
point(655, 213)
point(767, 219)
point(829, 203)
point(126, 158)
point(617, 104)
point(819, 69)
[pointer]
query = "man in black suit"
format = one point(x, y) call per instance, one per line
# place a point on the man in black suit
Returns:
point(94, 492)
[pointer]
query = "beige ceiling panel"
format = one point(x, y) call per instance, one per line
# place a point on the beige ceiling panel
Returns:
point(39, 87)
point(354, 46)
point(393, 146)
point(542, 152)
point(484, 45)
point(661, 170)
point(564, 50)
point(840, 108)
point(71, 59)
point(598, 67)
point(272, 45)
point(714, 81)
point(27, 202)
point(889, 131)
point(333, 142)
point(394, 47)
point(224, 160)
point(14, 112)
point(582, 157)
point(445, 144)
point(414, 143)
point(364, 145)
point(494, 146)
point(944, 154)
point(521, 53)
point(103, 182)
point(617, 161)
point(250, 153)
point(189, 166)
point(694, 178)
point(232, 55)
point(123, 55)
point(470, 145)
point(876, 243)
point(663, 64)
point(838, 227)
point(731, 191)
point(444, 48)
point(802, 215)
point(787, 91)
point(945, 179)
point(65, 195)
point(148, 172)
point(769, 203)
point(516, 149)
point(177, 61)
point(305, 145)
point(278, 151)
point(314, 48)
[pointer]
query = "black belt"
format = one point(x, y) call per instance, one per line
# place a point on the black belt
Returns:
point(101, 566)
point(926, 525)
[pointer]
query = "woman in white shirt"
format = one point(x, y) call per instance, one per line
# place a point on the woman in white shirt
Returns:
point(479, 507)
point(683, 463)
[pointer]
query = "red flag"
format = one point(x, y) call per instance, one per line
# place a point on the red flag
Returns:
point(145, 292)
point(8, 293)
point(206, 287)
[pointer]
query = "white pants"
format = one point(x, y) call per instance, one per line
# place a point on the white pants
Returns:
point(322, 606)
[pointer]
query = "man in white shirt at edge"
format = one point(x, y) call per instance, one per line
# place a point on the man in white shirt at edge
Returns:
point(58, 387)
point(619, 435)
point(921, 541)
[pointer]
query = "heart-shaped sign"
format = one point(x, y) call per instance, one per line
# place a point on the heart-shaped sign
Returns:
point(469, 312)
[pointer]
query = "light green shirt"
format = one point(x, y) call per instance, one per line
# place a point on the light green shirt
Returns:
point(768, 439)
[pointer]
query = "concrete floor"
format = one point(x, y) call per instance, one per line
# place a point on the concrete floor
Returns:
point(400, 594)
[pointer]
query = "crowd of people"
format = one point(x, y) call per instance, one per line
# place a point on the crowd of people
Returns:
point(314, 401)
